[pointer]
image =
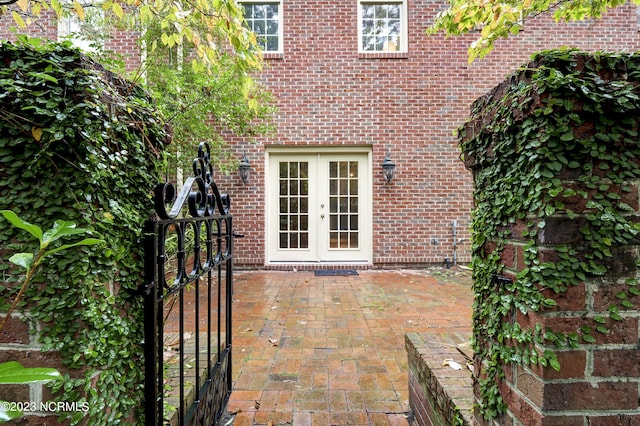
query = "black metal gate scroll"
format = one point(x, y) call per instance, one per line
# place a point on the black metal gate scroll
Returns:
point(187, 297)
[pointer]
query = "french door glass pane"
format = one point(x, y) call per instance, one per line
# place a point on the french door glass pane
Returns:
point(294, 204)
point(343, 204)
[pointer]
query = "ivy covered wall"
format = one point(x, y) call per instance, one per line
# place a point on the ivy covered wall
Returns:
point(80, 144)
point(555, 155)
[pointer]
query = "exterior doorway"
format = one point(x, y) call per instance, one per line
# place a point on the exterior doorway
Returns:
point(319, 206)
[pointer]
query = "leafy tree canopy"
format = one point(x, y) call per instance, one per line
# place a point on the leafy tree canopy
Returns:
point(212, 29)
point(494, 19)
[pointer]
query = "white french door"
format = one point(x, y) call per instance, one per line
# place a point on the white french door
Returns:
point(319, 207)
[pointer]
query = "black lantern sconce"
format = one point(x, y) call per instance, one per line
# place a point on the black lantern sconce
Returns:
point(388, 167)
point(245, 169)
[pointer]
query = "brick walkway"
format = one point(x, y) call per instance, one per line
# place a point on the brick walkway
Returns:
point(330, 350)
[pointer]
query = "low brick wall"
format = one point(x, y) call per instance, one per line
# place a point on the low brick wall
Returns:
point(438, 394)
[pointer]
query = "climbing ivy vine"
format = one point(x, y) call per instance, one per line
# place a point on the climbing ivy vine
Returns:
point(80, 144)
point(556, 145)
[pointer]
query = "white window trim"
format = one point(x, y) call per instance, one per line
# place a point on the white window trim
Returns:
point(280, 23)
point(404, 24)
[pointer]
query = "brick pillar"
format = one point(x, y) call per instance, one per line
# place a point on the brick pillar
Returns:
point(594, 311)
point(598, 381)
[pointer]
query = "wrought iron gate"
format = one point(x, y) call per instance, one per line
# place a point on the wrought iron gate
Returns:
point(187, 301)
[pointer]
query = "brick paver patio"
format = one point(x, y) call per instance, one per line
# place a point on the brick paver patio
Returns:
point(330, 350)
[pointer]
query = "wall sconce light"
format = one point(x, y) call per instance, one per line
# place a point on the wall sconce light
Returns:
point(245, 169)
point(388, 167)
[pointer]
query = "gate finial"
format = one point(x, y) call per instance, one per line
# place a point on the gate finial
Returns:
point(199, 192)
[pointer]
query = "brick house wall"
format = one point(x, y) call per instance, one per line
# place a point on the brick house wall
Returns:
point(330, 96)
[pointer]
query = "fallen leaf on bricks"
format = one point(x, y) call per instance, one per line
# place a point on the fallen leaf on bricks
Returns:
point(274, 342)
point(451, 363)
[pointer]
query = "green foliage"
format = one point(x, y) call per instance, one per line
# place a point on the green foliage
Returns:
point(562, 136)
point(80, 144)
point(201, 107)
point(31, 261)
point(495, 20)
point(13, 372)
point(214, 29)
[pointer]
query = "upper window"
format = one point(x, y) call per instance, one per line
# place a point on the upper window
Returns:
point(265, 20)
point(87, 34)
point(382, 26)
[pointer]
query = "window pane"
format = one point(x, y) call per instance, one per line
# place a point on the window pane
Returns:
point(294, 207)
point(333, 239)
point(272, 27)
point(353, 208)
point(259, 27)
point(333, 187)
point(353, 241)
point(367, 27)
point(344, 169)
point(353, 169)
point(259, 11)
point(368, 11)
point(344, 240)
point(264, 21)
point(272, 43)
point(381, 27)
point(344, 183)
point(272, 11)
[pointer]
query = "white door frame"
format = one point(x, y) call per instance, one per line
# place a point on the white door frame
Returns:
point(318, 251)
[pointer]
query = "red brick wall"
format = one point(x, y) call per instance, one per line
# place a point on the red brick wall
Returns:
point(328, 94)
